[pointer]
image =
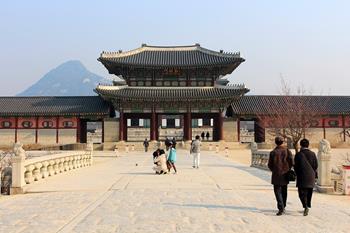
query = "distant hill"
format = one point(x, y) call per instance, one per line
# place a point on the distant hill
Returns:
point(68, 79)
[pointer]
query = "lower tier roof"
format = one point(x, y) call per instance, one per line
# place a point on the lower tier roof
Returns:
point(263, 104)
point(172, 94)
point(54, 106)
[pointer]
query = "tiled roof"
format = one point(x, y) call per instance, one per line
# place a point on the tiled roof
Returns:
point(172, 56)
point(262, 104)
point(179, 94)
point(54, 106)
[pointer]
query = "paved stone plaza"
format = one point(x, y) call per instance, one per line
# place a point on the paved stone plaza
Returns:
point(115, 195)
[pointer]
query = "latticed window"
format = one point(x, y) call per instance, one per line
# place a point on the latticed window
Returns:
point(68, 124)
point(47, 124)
point(333, 123)
point(6, 124)
point(27, 124)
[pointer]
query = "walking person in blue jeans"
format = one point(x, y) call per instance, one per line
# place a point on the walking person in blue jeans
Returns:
point(172, 157)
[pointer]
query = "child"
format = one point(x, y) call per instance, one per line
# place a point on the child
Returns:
point(172, 157)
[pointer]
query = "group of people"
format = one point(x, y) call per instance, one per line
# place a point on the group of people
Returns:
point(305, 166)
point(164, 162)
point(165, 159)
point(205, 135)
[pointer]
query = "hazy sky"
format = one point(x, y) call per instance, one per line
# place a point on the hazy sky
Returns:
point(306, 42)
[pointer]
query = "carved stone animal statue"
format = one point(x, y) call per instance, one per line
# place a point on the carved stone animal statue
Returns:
point(18, 150)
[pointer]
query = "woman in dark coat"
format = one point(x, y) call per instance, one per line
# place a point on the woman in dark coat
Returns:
point(280, 162)
point(306, 170)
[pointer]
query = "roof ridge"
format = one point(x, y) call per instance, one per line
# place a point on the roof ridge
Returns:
point(145, 47)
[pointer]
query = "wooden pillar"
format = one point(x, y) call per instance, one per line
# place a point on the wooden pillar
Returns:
point(188, 125)
point(185, 127)
point(16, 127)
point(57, 126)
point(344, 128)
point(36, 129)
point(121, 125)
point(154, 129)
point(78, 130)
point(103, 130)
point(220, 120)
point(324, 128)
point(238, 129)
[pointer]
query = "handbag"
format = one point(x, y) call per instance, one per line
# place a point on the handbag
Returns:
point(291, 175)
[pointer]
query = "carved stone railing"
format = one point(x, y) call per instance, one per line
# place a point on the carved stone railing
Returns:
point(5, 171)
point(338, 181)
point(27, 171)
point(260, 159)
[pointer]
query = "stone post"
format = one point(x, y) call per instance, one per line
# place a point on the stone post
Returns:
point(18, 169)
point(253, 150)
point(346, 179)
point(324, 183)
point(90, 148)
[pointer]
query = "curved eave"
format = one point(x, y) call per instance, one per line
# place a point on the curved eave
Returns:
point(116, 67)
point(53, 114)
point(173, 95)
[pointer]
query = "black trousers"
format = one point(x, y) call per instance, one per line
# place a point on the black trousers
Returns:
point(281, 196)
point(305, 195)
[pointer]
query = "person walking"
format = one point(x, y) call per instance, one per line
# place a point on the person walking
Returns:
point(146, 144)
point(202, 135)
point(171, 158)
point(196, 152)
point(280, 162)
point(305, 166)
point(207, 135)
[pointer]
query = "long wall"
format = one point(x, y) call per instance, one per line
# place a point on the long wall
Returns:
point(330, 128)
point(39, 130)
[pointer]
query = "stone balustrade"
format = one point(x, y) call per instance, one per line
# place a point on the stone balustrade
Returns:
point(260, 159)
point(27, 171)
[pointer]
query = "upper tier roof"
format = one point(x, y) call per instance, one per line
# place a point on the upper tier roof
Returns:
point(54, 106)
point(192, 56)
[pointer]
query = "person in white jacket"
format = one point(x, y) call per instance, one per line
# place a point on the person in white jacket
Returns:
point(160, 161)
point(196, 152)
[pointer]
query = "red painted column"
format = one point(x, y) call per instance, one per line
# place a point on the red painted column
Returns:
point(57, 126)
point(154, 129)
point(220, 126)
point(324, 128)
point(78, 130)
point(16, 127)
point(103, 131)
point(121, 125)
point(188, 125)
point(344, 128)
point(238, 129)
point(36, 129)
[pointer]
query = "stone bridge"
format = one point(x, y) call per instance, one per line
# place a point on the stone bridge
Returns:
point(123, 195)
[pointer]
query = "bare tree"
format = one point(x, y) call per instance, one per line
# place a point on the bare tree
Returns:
point(291, 114)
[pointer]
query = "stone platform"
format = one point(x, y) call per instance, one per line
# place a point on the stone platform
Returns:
point(123, 195)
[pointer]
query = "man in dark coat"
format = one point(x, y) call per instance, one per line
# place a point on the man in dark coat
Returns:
point(306, 170)
point(280, 162)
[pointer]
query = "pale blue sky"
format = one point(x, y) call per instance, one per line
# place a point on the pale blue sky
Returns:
point(307, 42)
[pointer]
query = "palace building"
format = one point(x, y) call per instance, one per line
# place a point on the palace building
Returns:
point(170, 91)
point(164, 91)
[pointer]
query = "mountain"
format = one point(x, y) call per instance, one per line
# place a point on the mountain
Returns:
point(68, 79)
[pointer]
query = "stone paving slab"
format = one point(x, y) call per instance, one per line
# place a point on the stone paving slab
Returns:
point(115, 195)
